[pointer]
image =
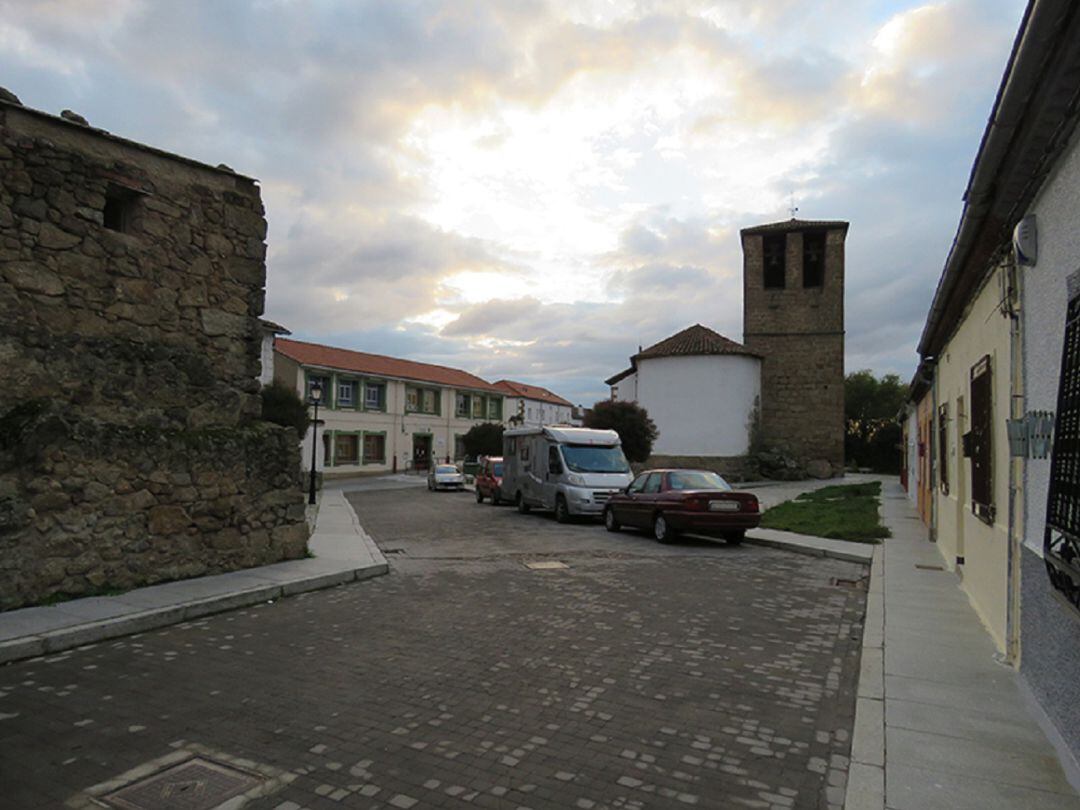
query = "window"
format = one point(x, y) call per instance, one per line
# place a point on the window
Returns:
point(813, 268)
point(346, 394)
point(477, 407)
point(412, 399)
point(421, 400)
point(653, 484)
point(554, 462)
point(346, 448)
point(324, 382)
point(695, 479)
point(1061, 539)
point(462, 406)
point(639, 482)
point(979, 441)
point(430, 401)
point(374, 448)
point(459, 447)
point(375, 396)
point(495, 409)
point(943, 447)
point(774, 250)
point(511, 445)
point(121, 209)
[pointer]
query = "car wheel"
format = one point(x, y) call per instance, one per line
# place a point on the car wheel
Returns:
point(610, 523)
point(562, 511)
point(522, 507)
point(734, 538)
point(479, 496)
point(495, 499)
point(662, 531)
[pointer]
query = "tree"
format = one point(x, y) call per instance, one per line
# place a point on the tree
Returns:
point(283, 406)
point(484, 439)
point(871, 406)
point(636, 430)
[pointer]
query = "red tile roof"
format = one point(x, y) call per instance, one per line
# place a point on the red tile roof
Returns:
point(517, 389)
point(696, 339)
point(314, 354)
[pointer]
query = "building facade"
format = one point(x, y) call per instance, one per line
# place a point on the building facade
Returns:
point(532, 406)
point(1001, 351)
point(793, 318)
point(384, 414)
point(702, 391)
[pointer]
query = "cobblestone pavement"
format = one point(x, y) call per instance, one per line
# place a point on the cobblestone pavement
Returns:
point(639, 676)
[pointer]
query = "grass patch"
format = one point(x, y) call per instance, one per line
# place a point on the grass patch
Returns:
point(848, 512)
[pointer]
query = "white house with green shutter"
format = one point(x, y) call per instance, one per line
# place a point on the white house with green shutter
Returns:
point(384, 414)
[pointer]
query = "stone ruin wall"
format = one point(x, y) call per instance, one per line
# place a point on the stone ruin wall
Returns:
point(130, 450)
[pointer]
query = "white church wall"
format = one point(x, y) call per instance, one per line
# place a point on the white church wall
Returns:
point(702, 405)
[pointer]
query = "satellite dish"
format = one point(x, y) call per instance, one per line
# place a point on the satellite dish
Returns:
point(1026, 241)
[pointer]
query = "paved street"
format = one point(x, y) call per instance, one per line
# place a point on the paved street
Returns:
point(639, 676)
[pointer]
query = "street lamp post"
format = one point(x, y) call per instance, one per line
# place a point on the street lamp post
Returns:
point(316, 395)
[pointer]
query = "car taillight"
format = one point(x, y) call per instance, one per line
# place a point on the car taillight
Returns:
point(696, 504)
point(751, 505)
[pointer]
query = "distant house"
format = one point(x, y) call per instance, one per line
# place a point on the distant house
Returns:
point(270, 330)
point(531, 405)
point(384, 413)
point(701, 389)
point(1000, 365)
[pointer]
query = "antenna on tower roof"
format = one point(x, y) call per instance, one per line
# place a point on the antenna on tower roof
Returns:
point(793, 208)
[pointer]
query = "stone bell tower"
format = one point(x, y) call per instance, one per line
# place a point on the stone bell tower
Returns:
point(793, 316)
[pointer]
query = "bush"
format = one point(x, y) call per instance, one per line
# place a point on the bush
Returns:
point(636, 430)
point(483, 440)
point(283, 406)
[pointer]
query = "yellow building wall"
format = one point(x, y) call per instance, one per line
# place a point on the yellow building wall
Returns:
point(960, 533)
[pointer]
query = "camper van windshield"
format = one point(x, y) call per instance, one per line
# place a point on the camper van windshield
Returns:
point(584, 458)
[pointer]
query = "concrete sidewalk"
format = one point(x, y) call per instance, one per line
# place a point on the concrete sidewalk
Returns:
point(343, 552)
point(939, 722)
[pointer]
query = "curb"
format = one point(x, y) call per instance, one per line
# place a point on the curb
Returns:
point(863, 557)
point(91, 632)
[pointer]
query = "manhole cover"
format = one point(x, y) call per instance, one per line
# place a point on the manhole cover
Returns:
point(197, 784)
point(545, 565)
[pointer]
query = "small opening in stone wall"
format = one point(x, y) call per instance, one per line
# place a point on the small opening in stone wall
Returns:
point(814, 259)
point(121, 209)
point(774, 250)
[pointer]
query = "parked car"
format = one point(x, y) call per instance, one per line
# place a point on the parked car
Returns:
point(668, 502)
point(489, 480)
point(445, 476)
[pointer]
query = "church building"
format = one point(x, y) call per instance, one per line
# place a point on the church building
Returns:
point(710, 396)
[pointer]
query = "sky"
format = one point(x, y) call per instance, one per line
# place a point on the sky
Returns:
point(531, 190)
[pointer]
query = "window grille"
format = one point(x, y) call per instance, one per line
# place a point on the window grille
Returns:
point(980, 443)
point(943, 447)
point(1061, 540)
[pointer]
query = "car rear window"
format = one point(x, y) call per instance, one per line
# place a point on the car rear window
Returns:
point(696, 479)
point(445, 468)
point(497, 470)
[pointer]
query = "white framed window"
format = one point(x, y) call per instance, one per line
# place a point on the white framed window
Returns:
point(374, 396)
point(346, 393)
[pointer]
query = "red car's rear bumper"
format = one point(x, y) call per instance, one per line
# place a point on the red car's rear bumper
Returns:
point(712, 522)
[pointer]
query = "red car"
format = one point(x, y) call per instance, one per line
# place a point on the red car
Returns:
point(489, 479)
point(668, 502)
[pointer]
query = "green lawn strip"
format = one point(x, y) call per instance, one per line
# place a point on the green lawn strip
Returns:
point(848, 512)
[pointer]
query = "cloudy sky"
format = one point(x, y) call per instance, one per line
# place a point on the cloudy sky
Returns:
point(532, 189)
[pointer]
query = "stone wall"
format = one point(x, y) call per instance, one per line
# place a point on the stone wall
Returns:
point(731, 468)
point(799, 332)
point(137, 347)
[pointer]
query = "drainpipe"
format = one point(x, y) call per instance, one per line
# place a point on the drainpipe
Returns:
point(1017, 403)
point(931, 448)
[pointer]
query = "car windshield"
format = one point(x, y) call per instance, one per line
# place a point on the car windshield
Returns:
point(445, 468)
point(584, 458)
point(697, 479)
point(497, 470)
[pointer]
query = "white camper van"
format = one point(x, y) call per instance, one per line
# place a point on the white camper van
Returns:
point(572, 471)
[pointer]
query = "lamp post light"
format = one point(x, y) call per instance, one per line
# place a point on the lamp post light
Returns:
point(316, 395)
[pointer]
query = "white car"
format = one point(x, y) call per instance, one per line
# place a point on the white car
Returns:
point(445, 476)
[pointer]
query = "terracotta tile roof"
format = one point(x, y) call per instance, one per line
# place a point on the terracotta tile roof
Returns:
point(622, 375)
point(797, 225)
point(696, 339)
point(526, 391)
point(314, 354)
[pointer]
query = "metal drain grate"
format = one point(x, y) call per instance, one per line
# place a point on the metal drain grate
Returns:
point(393, 551)
point(925, 567)
point(546, 565)
point(197, 784)
point(857, 584)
